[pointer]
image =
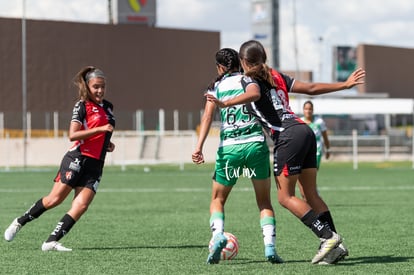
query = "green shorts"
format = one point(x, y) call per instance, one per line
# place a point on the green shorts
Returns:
point(249, 160)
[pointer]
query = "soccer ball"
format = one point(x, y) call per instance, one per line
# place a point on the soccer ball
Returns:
point(231, 249)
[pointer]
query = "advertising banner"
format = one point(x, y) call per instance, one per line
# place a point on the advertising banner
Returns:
point(137, 12)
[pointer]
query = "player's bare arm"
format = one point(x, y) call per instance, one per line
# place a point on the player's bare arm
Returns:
point(75, 132)
point(355, 78)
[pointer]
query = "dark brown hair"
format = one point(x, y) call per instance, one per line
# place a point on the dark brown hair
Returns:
point(308, 102)
point(80, 81)
point(254, 55)
point(228, 58)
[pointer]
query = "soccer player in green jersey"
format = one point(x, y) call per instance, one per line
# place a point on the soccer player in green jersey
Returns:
point(242, 152)
point(295, 145)
point(319, 128)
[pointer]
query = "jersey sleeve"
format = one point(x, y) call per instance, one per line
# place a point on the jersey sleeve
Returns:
point(289, 81)
point(246, 81)
point(322, 124)
point(212, 92)
point(108, 105)
point(79, 112)
point(109, 110)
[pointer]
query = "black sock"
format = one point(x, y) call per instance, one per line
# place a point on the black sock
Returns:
point(318, 227)
point(326, 218)
point(62, 228)
point(34, 212)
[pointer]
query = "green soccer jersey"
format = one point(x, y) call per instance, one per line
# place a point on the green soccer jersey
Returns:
point(318, 126)
point(237, 124)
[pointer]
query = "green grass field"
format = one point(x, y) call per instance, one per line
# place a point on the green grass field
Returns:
point(156, 222)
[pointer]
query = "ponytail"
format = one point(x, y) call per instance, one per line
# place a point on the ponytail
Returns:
point(263, 73)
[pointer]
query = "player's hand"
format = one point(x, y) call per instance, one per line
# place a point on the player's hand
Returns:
point(214, 99)
point(197, 157)
point(111, 147)
point(107, 128)
point(355, 78)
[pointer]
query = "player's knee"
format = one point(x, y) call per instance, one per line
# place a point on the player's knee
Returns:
point(284, 201)
point(51, 201)
point(80, 207)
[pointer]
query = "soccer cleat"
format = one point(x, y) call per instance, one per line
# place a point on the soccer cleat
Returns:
point(337, 254)
point(345, 252)
point(54, 246)
point(220, 242)
point(326, 246)
point(271, 255)
point(12, 230)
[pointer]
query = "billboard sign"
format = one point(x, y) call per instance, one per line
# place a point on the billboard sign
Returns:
point(137, 12)
point(344, 62)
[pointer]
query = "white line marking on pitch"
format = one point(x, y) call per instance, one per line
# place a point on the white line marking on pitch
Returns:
point(236, 189)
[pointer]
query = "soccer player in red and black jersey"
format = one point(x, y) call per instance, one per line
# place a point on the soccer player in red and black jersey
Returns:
point(266, 97)
point(81, 168)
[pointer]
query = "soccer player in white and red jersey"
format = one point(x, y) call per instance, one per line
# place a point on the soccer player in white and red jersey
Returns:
point(81, 168)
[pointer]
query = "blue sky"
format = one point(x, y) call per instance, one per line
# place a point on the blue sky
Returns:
point(349, 23)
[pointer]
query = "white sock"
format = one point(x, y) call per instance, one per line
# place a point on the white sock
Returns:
point(217, 226)
point(217, 223)
point(269, 234)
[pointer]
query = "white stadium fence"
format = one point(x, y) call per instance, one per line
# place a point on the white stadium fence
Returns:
point(151, 147)
point(175, 146)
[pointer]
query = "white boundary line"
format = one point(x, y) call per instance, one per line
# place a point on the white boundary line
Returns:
point(201, 190)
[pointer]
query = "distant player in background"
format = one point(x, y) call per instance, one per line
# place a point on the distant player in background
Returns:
point(81, 167)
point(295, 147)
point(318, 126)
point(242, 151)
point(321, 134)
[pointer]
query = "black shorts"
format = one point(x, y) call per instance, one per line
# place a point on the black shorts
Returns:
point(295, 149)
point(77, 170)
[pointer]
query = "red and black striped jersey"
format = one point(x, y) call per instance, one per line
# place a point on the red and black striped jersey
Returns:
point(272, 109)
point(92, 115)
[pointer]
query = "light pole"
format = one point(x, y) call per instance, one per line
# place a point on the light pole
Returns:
point(24, 86)
point(110, 16)
point(295, 42)
point(320, 40)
